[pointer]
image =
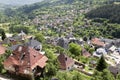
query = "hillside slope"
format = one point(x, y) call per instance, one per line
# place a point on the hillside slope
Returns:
point(18, 2)
point(29, 9)
point(60, 17)
point(110, 12)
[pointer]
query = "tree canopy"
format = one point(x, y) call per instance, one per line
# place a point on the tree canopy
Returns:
point(39, 37)
point(110, 12)
point(101, 64)
point(75, 49)
point(19, 28)
point(104, 75)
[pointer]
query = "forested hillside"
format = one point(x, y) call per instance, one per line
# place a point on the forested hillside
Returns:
point(49, 4)
point(80, 29)
point(66, 14)
point(18, 2)
point(110, 12)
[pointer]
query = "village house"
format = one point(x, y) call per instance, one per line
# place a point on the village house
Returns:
point(16, 38)
point(99, 52)
point(66, 63)
point(25, 61)
point(97, 42)
point(85, 53)
point(63, 42)
point(112, 48)
point(31, 43)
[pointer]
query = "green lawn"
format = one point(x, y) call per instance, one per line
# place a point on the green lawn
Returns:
point(70, 74)
point(87, 69)
point(86, 77)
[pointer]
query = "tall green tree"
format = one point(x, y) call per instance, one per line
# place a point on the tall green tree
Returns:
point(75, 49)
point(50, 70)
point(101, 64)
point(52, 65)
point(3, 35)
point(39, 37)
point(18, 28)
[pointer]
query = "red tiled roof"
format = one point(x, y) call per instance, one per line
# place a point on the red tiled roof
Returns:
point(2, 49)
point(65, 61)
point(26, 58)
point(11, 61)
point(96, 41)
point(41, 63)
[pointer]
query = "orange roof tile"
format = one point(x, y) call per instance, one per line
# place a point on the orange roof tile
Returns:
point(26, 58)
point(96, 41)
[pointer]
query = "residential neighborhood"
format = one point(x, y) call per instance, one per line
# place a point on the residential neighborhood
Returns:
point(27, 59)
point(60, 40)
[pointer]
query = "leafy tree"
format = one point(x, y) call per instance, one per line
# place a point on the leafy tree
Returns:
point(91, 50)
point(7, 53)
point(75, 49)
point(107, 75)
point(87, 47)
point(83, 59)
point(101, 64)
point(50, 70)
point(118, 77)
point(52, 65)
point(63, 76)
point(59, 49)
point(104, 75)
point(19, 28)
point(77, 76)
point(116, 32)
point(39, 37)
point(97, 75)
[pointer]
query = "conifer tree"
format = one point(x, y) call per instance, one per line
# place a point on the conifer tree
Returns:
point(3, 35)
point(101, 64)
